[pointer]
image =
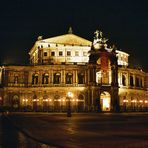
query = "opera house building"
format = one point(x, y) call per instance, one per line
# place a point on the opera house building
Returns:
point(68, 70)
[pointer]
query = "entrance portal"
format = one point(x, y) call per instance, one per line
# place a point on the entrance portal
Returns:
point(105, 100)
point(15, 102)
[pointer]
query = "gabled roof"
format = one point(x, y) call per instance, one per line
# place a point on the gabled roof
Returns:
point(68, 39)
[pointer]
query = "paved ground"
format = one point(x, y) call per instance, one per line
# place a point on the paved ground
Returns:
point(97, 130)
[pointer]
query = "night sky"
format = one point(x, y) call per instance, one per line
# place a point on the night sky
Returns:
point(124, 23)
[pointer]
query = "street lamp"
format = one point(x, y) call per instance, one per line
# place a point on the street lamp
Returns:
point(69, 96)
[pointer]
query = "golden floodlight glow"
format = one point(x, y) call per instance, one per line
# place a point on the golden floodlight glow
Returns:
point(146, 101)
point(45, 100)
point(125, 101)
point(141, 101)
point(25, 100)
point(34, 100)
point(134, 101)
point(70, 94)
point(106, 103)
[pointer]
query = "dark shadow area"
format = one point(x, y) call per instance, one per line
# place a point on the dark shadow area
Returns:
point(11, 137)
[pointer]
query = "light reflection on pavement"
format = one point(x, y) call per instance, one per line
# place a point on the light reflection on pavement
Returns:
point(86, 130)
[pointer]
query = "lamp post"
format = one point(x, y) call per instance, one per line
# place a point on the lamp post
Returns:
point(69, 96)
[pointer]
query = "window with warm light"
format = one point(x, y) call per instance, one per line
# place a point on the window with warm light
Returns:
point(45, 78)
point(131, 81)
point(15, 79)
point(35, 79)
point(68, 53)
point(123, 80)
point(84, 53)
point(57, 78)
point(52, 53)
point(81, 78)
point(99, 77)
point(141, 84)
point(69, 77)
point(60, 53)
point(76, 53)
point(45, 54)
point(137, 82)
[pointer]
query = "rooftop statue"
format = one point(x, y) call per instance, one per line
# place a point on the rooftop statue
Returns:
point(99, 37)
point(40, 38)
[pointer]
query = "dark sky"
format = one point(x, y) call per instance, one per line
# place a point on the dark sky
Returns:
point(124, 22)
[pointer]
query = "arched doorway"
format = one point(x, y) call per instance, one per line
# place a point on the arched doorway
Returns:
point(105, 100)
point(15, 102)
point(35, 102)
point(80, 103)
point(57, 103)
point(45, 103)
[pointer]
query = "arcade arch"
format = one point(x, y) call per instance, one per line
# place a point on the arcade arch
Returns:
point(105, 99)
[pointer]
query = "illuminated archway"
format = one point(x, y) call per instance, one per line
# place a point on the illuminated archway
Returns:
point(105, 100)
point(45, 102)
point(80, 103)
point(15, 102)
point(57, 103)
point(35, 104)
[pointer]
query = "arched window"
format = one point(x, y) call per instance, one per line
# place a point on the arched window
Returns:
point(131, 81)
point(69, 78)
point(123, 80)
point(45, 78)
point(137, 82)
point(141, 84)
point(35, 78)
point(81, 78)
point(16, 79)
point(34, 96)
point(99, 77)
point(57, 78)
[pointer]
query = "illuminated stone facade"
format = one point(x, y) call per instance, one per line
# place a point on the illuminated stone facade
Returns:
point(97, 76)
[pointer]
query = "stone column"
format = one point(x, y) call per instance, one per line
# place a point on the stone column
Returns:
point(76, 75)
point(134, 80)
point(51, 76)
point(127, 79)
point(62, 76)
point(114, 100)
point(89, 99)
